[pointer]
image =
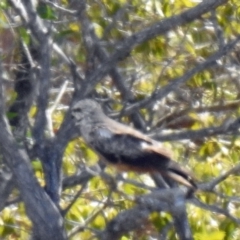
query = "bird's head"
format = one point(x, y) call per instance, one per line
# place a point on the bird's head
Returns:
point(85, 110)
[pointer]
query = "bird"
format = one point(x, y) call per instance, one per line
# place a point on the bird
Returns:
point(124, 147)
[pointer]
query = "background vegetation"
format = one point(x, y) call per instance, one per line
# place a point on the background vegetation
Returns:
point(169, 68)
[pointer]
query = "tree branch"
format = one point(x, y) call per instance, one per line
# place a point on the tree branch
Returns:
point(160, 28)
point(33, 195)
point(172, 200)
point(225, 128)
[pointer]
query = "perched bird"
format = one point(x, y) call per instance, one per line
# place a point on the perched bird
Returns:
point(124, 147)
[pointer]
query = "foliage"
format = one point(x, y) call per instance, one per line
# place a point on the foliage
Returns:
point(178, 82)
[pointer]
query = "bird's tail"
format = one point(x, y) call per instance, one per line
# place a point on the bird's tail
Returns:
point(181, 175)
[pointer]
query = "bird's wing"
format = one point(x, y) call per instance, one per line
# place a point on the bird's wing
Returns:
point(119, 128)
point(124, 147)
point(130, 150)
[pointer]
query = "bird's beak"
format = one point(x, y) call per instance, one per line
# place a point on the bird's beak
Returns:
point(76, 117)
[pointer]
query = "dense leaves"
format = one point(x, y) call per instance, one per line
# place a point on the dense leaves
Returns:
point(168, 68)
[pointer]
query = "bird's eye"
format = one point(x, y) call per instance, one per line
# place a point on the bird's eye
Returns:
point(76, 113)
point(77, 110)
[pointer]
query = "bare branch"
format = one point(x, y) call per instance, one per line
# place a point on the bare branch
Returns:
point(216, 209)
point(93, 46)
point(225, 128)
point(160, 28)
point(172, 200)
point(213, 183)
point(33, 195)
point(231, 105)
point(175, 83)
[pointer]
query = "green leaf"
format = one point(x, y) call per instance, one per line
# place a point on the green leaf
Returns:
point(213, 235)
point(46, 12)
